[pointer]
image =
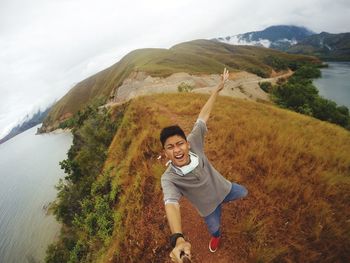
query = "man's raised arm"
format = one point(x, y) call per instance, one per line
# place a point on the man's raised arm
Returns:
point(205, 112)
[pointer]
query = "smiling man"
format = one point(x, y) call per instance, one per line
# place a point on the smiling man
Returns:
point(190, 174)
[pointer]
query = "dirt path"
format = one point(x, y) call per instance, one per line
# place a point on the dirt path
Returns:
point(276, 77)
point(241, 84)
point(197, 234)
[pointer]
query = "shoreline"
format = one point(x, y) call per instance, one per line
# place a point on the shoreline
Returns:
point(336, 91)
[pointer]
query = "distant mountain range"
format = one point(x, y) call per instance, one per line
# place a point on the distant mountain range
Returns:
point(278, 37)
point(297, 40)
point(29, 123)
point(325, 46)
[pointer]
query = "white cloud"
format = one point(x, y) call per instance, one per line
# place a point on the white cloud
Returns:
point(48, 46)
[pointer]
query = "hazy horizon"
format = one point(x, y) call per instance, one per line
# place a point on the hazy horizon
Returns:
point(47, 47)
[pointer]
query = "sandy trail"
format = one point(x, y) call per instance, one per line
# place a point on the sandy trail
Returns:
point(242, 85)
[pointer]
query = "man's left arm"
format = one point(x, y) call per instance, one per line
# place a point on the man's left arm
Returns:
point(205, 112)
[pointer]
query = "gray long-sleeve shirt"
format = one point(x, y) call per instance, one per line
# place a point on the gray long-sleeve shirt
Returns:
point(204, 187)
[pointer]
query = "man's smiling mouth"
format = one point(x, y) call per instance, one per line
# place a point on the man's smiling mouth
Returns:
point(179, 157)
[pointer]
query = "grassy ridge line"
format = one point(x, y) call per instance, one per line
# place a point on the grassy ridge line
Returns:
point(194, 57)
point(295, 167)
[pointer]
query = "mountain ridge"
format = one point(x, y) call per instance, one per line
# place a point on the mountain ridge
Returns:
point(296, 40)
point(325, 45)
point(280, 37)
point(194, 57)
point(28, 123)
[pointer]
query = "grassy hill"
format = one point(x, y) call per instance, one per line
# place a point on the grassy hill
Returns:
point(194, 57)
point(295, 167)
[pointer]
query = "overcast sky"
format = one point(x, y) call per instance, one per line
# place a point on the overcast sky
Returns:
point(47, 46)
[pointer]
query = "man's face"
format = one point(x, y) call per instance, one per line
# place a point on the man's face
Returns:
point(177, 150)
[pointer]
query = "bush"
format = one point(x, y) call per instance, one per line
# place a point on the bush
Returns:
point(294, 65)
point(69, 123)
point(327, 110)
point(259, 72)
point(276, 63)
point(280, 81)
point(307, 72)
point(184, 87)
point(265, 86)
point(78, 252)
point(294, 95)
point(85, 196)
point(96, 218)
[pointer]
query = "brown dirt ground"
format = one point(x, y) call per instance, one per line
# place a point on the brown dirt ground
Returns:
point(197, 234)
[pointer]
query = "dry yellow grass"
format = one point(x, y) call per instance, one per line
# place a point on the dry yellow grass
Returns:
point(296, 168)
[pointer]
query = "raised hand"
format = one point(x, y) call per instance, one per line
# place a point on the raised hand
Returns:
point(224, 76)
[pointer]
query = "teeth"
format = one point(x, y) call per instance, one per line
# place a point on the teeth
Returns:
point(179, 156)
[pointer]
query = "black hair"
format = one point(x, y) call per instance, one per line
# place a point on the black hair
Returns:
point(171, 131)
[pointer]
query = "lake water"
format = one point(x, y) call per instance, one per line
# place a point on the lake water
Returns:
point(29, 170)
point(335, 83)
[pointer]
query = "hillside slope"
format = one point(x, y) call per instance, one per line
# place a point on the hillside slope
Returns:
point(325, 46)
point(296, 169)
point(194, 57)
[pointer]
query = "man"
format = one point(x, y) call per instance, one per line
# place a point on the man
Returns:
point(190, 174)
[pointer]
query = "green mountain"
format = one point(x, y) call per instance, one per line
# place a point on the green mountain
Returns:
point(194, 57)
point(325, 46)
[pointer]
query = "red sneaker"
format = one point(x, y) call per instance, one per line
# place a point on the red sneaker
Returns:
point(214, 244)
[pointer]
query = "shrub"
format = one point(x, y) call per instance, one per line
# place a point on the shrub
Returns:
point(265, 86)
point(69, 123)
point(307, 72)
point(78, 252)
point(276, 62)
point(280, 81)
point(258, 71)
point(85, 196)
point(185, 87)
